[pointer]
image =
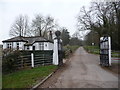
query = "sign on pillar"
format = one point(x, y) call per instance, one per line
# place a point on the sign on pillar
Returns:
point(105, 51)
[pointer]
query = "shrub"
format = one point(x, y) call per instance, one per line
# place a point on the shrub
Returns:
point(9, 61)
point(69, 50)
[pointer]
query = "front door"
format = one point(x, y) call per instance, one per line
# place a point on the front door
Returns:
point(33, 48)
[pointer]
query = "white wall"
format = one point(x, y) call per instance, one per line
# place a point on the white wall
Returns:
point(30, 47)
point(4, 46)
point(50, 46)
point(14, 45)
point(47, 45)
point(21, 45)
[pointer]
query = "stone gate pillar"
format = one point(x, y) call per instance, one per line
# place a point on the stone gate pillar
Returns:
point(55, 52)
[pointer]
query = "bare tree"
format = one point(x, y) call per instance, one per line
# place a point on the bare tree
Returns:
point(103, 18)
point(38, 24)
point(41, 25)
point(49, 25)
point(20, 27)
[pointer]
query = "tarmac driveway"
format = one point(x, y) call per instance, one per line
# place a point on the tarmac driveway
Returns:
point(83, 71)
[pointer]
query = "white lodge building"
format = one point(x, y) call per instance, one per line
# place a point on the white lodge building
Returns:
point(28, 43)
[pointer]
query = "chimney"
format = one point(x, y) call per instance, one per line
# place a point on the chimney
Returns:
point(50, 35)
point(39, 31)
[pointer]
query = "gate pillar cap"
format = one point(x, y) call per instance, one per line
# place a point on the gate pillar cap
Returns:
point(57, 33)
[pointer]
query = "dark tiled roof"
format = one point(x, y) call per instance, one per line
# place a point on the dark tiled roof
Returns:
point(28, 40)
point(15, 39)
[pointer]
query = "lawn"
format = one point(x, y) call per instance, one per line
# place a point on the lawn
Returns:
point(92, 49)
point(115, 54)
point(26, 78)
point(96, 50)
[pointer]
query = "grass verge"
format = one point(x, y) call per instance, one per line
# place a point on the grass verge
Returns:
point(92, 49)
point(96, 50)
point(26, 78)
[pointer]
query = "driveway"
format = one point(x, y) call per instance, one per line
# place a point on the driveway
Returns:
point(82, 71)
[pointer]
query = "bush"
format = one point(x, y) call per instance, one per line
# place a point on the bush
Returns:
point(9, 61)
point(69, 50)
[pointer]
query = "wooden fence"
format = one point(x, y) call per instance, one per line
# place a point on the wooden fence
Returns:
point(40, 58)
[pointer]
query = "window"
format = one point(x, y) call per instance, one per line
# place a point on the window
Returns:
point(33, 47)
point(41, 46)
point(17, 46)
point(8, 45)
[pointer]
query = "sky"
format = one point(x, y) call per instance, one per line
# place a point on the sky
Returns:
point(63, 11)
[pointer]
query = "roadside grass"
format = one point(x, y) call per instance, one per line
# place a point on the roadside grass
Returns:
point(96, 50)
point(115, 54)
point(26, 78)
point(92, 49)
point(69, 50)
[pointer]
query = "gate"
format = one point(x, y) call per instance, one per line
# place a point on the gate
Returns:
point(39, 58)
point(43, 57)
point(105, 51)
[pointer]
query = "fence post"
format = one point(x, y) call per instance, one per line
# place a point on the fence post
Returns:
point(32, 60)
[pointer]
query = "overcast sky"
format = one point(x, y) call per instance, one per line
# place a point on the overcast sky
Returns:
point(64, 12)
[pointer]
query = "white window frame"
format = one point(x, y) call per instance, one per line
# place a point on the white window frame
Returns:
point(41, 46)
point(8, 45)
point(17, 45)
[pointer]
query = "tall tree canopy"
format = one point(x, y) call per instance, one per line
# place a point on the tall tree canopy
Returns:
point(75, 41)
point(102, 18)
point(41, 25)
point(65, 36)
